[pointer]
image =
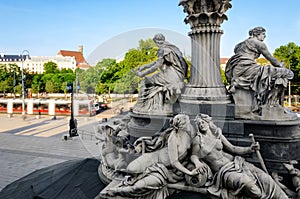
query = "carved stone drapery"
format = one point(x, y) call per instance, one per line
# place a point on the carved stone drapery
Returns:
point(205, 18)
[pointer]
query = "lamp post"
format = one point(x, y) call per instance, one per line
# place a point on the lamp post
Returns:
point(289, 101)
point(73, 121)
point(24, 52)
point(77, 83)
point(14, 83)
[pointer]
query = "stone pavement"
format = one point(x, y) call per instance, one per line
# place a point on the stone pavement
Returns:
point(26, 146)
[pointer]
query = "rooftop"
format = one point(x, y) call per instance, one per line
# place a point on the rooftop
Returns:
point(78, 56)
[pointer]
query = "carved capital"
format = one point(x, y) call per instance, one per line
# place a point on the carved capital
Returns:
point(203, 13)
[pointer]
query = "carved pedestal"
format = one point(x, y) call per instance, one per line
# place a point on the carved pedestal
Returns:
point(146, 125)
point(279, 140)
point(244, 108)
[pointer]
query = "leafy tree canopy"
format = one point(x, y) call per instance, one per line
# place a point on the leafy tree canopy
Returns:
point(50, 67)
point(290, 55)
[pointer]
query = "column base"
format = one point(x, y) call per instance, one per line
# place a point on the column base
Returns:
point(200, 95)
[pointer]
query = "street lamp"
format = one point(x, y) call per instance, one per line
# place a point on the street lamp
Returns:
point(24, 52)
point(73, 121)
point(289, 85)
point(289, 102)
point(15, 83)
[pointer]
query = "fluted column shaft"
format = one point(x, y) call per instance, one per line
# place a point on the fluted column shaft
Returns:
point(205, 71)
point(205, 84)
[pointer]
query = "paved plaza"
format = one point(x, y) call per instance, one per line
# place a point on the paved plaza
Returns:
point(32, 144)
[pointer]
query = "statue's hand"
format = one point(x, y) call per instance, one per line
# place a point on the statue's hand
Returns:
point(139, 74)
point(201, 168)
point(282, 65)
point(194, 172)
point(255, 146)
point(138, 148)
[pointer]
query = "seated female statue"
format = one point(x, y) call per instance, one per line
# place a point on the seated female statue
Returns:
point(267, 83)
point(233, 176)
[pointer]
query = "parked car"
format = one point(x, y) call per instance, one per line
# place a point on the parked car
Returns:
point(102, 105)
point(97, 108)
point(93, 110)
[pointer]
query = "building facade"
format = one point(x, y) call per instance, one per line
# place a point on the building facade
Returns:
point(35, 64)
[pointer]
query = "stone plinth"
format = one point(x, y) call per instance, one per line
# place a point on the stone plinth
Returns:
point(146, 125)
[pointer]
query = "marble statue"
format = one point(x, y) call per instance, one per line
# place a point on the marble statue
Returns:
point(151, 171)
point(295, 175)
point(233, 176)
point(160, 91)
point(115, 144)
point(178, 138)
point(182, 158)
point(173, 150)
point(252, 84)
point(173, 142)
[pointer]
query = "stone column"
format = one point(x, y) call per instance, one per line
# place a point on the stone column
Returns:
point(205, 84)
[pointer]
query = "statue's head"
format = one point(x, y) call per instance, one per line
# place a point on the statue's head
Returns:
point(203, 122)
point(159, 38)
point(256, 31)
point(180, 121)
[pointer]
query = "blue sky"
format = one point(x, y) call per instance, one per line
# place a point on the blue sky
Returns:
point(44, 27)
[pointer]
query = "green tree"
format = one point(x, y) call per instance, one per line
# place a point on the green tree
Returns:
point(89, 79)
point(66, 77)
point(144, 54)
point(290, 55)
point(64, 70)
point(28, 77)
point(262, 61)
point(127, 84)
point(108, 76)
point(38, 85)
point(127, 81)
point(147, 45)
point(3, 72)
point(52, 86)
point(50, 67)
point(4, 86)
point(11, 74)
point(64, 88)
point(110, 70)
point(18, 89)
point(103, 88)
point(224, 79)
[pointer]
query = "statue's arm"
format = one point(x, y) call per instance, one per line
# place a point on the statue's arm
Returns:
point(235, 149)
point(173, 155)
point(195, 159)
point(107, 148)
point(195, 152)
point(149, 68)
point(265, 52)
point(140, 69)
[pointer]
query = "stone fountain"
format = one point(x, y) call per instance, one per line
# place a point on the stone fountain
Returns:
point(171, 139)
point(196, 139)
